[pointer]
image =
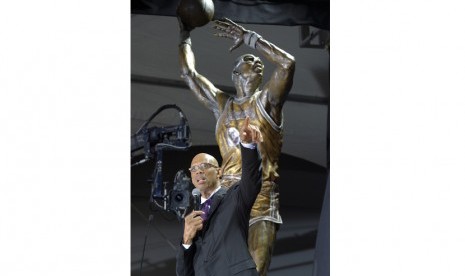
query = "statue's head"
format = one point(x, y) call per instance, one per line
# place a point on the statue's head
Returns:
point(248, 70)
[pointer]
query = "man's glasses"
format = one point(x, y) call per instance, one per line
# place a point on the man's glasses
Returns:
point(201, 167)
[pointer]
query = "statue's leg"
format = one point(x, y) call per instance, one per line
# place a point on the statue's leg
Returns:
point(262, 235)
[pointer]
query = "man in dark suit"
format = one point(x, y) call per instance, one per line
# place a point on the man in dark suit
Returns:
point(215, 240)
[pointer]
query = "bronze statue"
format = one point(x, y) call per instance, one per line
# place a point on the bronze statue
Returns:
point(263, 107)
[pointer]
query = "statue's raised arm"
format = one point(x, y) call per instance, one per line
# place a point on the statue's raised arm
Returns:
point(209, 95)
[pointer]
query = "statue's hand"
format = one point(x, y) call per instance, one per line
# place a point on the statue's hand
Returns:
point(227, 28)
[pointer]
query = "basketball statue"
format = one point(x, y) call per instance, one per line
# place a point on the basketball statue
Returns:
point(263, 105)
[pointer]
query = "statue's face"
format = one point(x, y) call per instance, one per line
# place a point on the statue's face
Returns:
point(249, 64)
point(249, 68)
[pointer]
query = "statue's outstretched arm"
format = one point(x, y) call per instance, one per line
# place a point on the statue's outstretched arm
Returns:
point(209, 95)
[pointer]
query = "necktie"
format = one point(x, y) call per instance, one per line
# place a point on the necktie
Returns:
point(206, 208)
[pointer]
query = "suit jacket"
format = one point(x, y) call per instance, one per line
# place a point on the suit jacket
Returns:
point(220, 248)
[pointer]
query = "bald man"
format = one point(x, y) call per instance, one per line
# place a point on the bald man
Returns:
point(215, 238)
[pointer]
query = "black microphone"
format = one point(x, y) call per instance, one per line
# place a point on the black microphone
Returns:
point(196, 195)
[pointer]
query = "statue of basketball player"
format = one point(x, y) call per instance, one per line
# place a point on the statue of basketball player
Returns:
point(263, 107)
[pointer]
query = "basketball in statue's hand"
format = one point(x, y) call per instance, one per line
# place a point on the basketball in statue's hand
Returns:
point(195, 13)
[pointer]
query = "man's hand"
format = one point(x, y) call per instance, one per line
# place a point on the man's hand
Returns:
point(250, 133)
point(192, 224)
point(227, 28)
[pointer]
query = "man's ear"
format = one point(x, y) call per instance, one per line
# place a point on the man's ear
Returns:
point(220, 172)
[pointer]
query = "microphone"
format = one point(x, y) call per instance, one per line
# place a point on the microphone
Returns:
point(196, 195)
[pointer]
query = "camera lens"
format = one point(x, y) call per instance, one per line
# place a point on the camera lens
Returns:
point(178, 197)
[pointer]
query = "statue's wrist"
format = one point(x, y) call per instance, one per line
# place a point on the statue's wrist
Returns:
point(185, 38)
point(186, 41)
point(251, 38)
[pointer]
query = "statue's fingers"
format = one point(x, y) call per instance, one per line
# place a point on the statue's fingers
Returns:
point(221, 23)
point(225, 19)
point(221, 28)
point(235, 45)
point(224, 35)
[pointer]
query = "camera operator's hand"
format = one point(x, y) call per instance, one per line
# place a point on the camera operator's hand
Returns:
point(192, 224)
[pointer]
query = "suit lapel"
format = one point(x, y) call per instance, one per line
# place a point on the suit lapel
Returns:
point(216, 201)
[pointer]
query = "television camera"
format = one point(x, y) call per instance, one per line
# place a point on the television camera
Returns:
point(154, 141)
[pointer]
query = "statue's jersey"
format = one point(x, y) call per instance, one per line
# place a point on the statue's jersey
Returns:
point(230, 120)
